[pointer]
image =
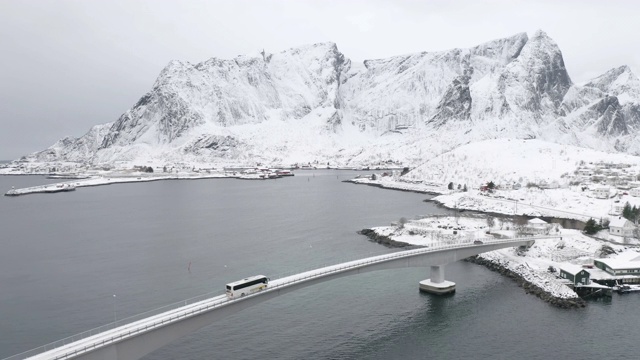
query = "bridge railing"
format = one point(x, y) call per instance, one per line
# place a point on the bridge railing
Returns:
point(401, 254)
point(109, 326)
point(174, 312)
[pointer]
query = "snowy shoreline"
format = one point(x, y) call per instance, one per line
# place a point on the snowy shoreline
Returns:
point(565, 203)
point(533, 280)
point(530, 269)
point(529, 287)
point(502, 267)
point(398, 186)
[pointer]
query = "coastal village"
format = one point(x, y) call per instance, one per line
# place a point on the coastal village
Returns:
point(593, 211)
point(602, 197)
point(328, 152)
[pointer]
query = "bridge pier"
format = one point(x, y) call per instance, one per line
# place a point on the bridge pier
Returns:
point(437, 284)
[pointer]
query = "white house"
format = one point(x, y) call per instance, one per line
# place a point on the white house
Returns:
point(635, 192)
point(601, 192)
point(585, 172)
point(537, 225)
point(617, 209)
point(621, 227)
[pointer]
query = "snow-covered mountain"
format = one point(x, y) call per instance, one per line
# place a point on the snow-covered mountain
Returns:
point(311, 103)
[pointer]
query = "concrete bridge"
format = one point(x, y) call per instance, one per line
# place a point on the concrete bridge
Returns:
point(137, 338)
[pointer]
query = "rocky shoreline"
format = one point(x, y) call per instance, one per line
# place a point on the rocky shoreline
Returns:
point(379, 185)
point(529, 287)
point(385, 240)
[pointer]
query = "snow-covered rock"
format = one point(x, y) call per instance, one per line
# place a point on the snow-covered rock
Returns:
point(619, 82)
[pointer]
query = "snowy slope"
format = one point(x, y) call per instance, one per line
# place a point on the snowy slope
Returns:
point(508, 161)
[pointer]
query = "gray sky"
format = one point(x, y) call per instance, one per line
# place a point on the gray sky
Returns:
point(66, 65)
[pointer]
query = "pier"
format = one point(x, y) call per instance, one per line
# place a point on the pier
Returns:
point(51, 188)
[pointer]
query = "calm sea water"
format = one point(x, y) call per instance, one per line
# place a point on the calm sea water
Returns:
point(64, 256)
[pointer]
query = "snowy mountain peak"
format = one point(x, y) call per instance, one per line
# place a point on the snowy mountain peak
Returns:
point(537, 80)
point(540, 34)
point(621, 82)
point(309, 103)
point(622, 74)
point(503, 50)
point(623, 69)
point(313, 49)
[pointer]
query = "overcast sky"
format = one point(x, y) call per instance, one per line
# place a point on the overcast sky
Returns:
point(68, 65)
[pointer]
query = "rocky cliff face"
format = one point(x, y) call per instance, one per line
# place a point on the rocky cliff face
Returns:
point(604, 113)
point(619, 82)
point(426, 88)
point(226, 93)
point(82, 149)
point(534, 84)
point(311, 103)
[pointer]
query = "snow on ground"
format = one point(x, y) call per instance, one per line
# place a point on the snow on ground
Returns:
point(564, 203)
point(532, 264)
point(570, 203)
point(547, 174)
point(508, 161)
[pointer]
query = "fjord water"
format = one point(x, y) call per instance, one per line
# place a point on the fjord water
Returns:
point(64, 256)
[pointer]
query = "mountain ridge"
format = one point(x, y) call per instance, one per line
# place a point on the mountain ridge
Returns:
point(311, 103)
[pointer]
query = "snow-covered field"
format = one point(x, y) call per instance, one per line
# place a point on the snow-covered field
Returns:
point(569, 203)
point(509, 161)
point(532, 264)
point(547, 175)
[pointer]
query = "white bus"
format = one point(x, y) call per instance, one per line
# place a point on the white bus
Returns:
point(247, 286)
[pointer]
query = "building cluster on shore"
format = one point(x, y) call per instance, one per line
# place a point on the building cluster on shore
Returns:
point(560, 272)
point(621, 274)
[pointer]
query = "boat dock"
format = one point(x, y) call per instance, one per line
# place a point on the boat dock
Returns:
point(593, 290)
